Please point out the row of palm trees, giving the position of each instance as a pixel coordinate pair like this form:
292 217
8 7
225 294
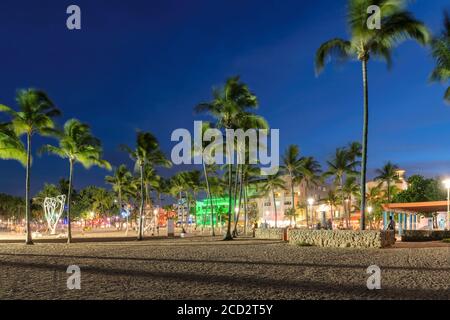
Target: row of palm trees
232 106
78 145
397 25
75 143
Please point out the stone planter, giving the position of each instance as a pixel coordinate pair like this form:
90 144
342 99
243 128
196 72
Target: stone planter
424 235
270 234
342 238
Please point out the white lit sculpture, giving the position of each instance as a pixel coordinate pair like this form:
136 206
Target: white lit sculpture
53 210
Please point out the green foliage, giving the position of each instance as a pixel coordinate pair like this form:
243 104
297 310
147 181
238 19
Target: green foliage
77 144
11 148
441 52
96 200
120 180
11 206
49 191
343 164
272 183
35 115
421 189
397 24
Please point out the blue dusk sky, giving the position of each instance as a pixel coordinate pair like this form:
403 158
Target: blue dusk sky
142 64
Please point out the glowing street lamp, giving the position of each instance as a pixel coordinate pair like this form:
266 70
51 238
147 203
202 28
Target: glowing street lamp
446 183
369 210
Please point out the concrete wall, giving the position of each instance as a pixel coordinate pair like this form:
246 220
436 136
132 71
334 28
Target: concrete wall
424 235
269 234
342 238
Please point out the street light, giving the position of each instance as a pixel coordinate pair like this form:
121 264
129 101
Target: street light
446 183
369 210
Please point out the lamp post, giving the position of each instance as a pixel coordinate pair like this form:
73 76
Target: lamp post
311 203
447 186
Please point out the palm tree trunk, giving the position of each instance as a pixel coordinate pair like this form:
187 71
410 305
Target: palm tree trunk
180 201
120 207
275 209
147 194
141 208
213 233
69 193
307 218
27 192
389 191
236 180
349 213
332 213
235 232
344 207
188 213
195 208
245 210
293 200
364 144
228 235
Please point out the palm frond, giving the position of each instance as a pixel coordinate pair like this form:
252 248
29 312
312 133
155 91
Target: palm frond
11 148
338 48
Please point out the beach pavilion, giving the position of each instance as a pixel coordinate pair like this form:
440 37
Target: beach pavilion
406 214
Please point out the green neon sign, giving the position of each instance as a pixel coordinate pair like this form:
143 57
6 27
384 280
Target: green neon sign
203 210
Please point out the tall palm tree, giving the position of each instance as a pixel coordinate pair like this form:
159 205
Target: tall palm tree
397 25
147 151
119 181
11 148
270 185
332 200
250 176
441 52
291 162
351 188
151 181
35 117
374 195
245 121
342 165
102 201
388 175
218 185
178 185
77 144
162 188
309 171
230 105
193 186
355 150
206 126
